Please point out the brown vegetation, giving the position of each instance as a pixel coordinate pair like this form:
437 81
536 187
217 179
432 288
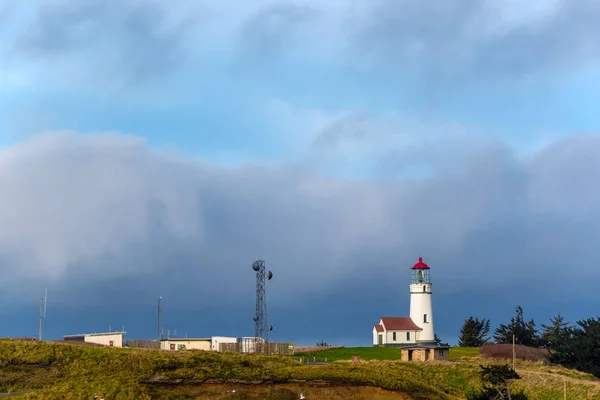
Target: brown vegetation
505 351
281 392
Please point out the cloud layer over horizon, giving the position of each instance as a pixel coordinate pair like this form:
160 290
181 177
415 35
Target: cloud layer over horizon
153 150
79 210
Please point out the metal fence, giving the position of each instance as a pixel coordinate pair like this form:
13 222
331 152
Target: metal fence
243 345
142 344
257 347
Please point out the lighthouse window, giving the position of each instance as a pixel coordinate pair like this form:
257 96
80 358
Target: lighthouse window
425 318
408 336
394 336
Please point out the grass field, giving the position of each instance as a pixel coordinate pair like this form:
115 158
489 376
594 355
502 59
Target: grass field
457 353
376 353
71 372
345 353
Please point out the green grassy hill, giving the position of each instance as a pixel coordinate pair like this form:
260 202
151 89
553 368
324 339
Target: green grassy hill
375 353
62 371
344 353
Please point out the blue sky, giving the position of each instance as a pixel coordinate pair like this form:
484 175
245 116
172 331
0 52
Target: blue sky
152 148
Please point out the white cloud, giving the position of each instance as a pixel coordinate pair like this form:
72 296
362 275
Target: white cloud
370 143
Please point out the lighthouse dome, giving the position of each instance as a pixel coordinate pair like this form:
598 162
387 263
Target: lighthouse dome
420 264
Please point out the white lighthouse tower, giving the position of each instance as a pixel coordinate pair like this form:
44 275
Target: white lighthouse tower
420 302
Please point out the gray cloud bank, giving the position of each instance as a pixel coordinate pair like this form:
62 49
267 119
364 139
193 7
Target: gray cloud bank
480 39
273 29
81 210
459 38
136 40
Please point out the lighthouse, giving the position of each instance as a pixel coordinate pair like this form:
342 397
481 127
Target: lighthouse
414 335
421 312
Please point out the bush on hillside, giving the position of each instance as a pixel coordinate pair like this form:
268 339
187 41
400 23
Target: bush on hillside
497 382
505 351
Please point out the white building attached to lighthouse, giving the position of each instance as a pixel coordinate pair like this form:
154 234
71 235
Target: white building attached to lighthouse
415 332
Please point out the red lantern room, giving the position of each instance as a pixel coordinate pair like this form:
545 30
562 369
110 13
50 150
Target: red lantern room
420 273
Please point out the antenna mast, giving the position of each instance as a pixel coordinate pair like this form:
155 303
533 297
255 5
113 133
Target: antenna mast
261 327
42 315
159 327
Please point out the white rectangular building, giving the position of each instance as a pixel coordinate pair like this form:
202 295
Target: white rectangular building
186 344
110 339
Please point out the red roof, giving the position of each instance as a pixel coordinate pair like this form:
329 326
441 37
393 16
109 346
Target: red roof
378 328
420 264
399 324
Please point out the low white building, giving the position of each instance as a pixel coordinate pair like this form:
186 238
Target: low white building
186 344
110 339
396 331
207 344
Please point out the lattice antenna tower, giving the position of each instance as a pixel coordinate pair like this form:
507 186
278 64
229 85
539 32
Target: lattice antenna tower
42 315
261 327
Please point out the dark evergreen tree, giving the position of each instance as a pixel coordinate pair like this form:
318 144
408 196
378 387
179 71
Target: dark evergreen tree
555 335
525 333
474 332
580 347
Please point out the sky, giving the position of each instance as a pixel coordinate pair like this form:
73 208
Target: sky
153 149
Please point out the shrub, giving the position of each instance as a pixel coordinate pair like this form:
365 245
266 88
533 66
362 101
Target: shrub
505 351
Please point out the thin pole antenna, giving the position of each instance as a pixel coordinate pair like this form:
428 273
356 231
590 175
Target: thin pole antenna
159 326
42 314
45 300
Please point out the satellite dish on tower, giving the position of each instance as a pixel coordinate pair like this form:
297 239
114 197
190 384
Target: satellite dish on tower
269 275
256 265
